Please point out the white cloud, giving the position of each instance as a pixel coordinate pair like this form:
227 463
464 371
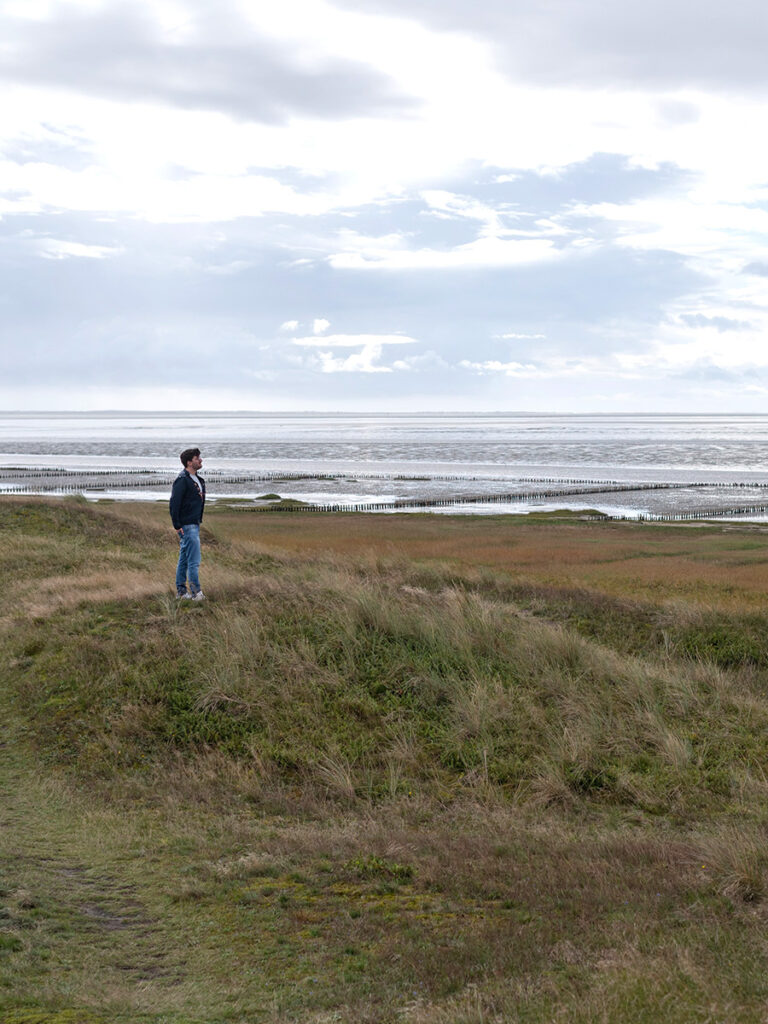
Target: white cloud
509 369
449 205
483 252
676 350
33 10
289 325
647 45
425 361
367 360
725 233
320 325
354 340
364 361
521 337
55 249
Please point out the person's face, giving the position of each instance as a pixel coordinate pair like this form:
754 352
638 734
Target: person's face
195 463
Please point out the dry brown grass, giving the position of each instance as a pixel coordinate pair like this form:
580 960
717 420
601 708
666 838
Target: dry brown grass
43 598
712 566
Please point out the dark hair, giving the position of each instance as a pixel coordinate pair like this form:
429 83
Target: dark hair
187 455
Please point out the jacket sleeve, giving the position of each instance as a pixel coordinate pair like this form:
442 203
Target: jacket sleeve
202 507
175 503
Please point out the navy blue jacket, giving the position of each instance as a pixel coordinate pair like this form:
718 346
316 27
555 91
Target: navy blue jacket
186 503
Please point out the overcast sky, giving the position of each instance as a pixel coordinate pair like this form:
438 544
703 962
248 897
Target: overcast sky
536 205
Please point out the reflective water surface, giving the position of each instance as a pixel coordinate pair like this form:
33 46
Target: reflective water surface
383 458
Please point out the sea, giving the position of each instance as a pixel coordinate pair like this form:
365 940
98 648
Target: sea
622 465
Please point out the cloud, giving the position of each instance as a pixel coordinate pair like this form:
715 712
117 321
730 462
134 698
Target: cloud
704 370
720 323
59 147
678 112
353 340
210 60
483 252
206 197
519 337
602 177
637 44
232 267
56 249
289 325
495 366
429 362
319 325
756 268
703 226
364 361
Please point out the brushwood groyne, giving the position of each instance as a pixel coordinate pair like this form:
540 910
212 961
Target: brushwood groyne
31 479
59 481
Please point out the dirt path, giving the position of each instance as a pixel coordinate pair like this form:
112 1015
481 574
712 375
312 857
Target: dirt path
76 931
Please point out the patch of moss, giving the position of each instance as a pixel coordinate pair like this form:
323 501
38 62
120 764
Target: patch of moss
377 867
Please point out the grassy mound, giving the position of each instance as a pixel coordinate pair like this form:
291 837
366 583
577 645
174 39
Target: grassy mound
368 683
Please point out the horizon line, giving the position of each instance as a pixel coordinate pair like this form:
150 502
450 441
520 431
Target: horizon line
361 412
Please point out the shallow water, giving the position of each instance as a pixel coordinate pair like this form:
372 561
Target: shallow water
387 458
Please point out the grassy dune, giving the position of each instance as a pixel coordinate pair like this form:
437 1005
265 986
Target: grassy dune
398 768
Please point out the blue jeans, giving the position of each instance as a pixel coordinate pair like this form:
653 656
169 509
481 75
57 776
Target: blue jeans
189 559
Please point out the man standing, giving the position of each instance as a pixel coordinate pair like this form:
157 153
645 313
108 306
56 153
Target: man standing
186 505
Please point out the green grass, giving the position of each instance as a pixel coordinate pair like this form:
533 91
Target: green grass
368 689
368 788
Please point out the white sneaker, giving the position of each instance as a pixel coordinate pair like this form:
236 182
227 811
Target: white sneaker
199 596
184 597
